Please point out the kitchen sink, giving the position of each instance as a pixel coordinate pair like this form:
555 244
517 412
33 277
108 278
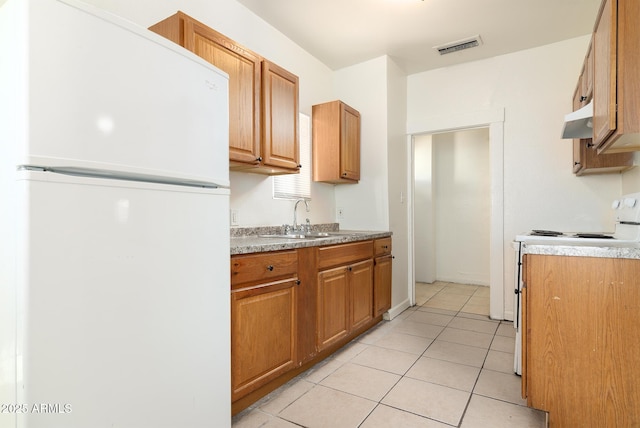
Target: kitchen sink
311 235
290 236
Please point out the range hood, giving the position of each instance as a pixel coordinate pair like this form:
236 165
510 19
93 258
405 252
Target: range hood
579 124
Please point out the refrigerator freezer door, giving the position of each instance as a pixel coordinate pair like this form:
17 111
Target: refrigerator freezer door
123 307
126 99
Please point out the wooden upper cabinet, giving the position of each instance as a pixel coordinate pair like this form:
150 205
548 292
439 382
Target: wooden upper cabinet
604 42
280 129
586 160
336 143
259 141
350 143
586 78
616 87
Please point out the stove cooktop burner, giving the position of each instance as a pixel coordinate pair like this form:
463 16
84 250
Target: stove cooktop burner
538 232
593 236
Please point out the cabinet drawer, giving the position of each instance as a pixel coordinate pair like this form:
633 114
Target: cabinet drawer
262 267
382 246
344 253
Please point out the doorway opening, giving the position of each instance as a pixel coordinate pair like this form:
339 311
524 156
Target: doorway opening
452 207
460 257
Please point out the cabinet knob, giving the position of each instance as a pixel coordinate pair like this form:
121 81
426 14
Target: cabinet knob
590 144
344 174
349 268
299 166
298 282
270 267
576 163
259 159
583 98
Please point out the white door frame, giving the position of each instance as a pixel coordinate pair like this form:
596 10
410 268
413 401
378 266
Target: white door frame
494 120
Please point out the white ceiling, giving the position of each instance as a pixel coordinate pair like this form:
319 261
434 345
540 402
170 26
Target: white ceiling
341 33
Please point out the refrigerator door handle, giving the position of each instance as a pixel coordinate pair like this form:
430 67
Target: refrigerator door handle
127 176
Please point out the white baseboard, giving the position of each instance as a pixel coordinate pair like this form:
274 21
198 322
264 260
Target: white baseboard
396 310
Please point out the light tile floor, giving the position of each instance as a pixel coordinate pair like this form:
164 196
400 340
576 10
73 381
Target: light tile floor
442 363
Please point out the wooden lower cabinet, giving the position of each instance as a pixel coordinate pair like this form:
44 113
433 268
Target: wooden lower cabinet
345 301
291 309
581 340
263 332
332 307
382 276
382 284
361 299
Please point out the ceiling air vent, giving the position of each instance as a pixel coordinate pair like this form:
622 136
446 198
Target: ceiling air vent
470 42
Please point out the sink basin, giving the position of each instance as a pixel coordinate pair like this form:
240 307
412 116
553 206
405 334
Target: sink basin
311 235
289 236
317 234
347 233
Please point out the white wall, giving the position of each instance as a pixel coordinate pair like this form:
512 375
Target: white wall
397 158
462 206
534 87
366 204
377 89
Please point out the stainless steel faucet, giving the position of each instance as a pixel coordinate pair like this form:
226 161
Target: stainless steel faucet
295 209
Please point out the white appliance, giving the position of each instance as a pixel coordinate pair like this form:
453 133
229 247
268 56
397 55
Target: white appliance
114 239
626 234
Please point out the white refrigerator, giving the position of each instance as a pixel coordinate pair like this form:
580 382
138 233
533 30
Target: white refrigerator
114 230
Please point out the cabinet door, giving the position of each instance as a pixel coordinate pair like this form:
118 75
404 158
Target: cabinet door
361 285
349 143
280 142
605 73
243 68
332 306
382 285
583 344
263 332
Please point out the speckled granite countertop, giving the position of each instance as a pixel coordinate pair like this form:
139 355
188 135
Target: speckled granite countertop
611 250
248 240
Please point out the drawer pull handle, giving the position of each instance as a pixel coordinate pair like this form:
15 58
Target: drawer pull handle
270 267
